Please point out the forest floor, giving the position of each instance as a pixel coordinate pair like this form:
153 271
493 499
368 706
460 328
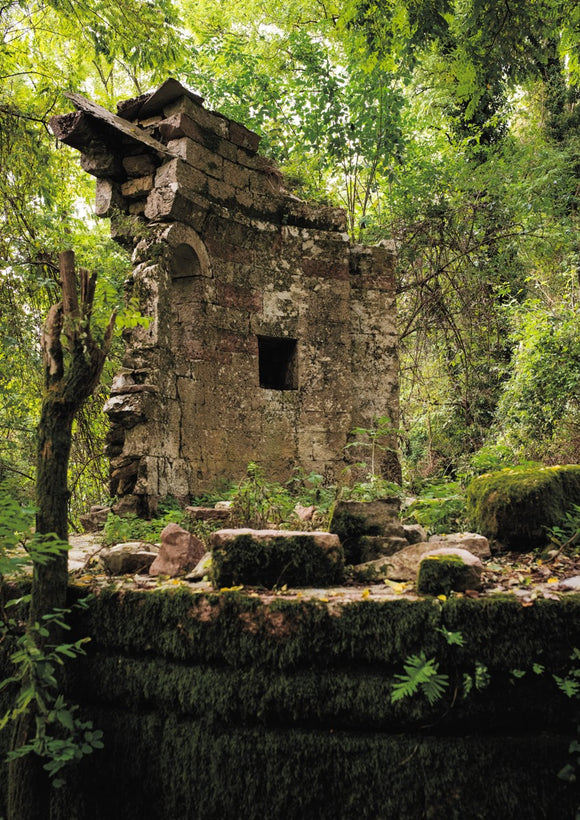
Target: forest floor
523 575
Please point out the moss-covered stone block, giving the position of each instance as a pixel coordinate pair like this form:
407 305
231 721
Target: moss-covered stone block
440 574
518 505
272 558
353 521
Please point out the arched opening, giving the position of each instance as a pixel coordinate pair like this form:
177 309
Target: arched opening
184 262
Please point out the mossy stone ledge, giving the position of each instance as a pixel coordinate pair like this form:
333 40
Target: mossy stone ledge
517 506
239 704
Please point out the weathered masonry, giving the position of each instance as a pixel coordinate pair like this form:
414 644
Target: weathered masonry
272 336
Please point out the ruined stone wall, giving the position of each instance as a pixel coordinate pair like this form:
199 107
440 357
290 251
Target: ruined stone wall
228 705
271 335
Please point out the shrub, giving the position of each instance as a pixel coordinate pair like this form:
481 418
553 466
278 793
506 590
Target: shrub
440 508
259 503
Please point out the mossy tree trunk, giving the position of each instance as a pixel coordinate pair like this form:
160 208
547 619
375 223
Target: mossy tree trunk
73 363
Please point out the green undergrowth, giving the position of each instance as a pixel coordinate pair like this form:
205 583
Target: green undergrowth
119 529
440 508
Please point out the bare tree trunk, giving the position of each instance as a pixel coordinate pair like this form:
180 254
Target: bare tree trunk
72 372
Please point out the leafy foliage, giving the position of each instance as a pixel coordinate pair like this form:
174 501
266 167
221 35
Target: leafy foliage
440 508
567 532
421 675
119 529
258 503
60 736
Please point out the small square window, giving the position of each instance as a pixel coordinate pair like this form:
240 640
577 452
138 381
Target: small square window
277 362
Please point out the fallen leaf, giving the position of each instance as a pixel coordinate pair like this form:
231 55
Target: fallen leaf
396 586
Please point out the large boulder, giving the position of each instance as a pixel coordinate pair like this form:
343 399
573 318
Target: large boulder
272 558
517 506
180 552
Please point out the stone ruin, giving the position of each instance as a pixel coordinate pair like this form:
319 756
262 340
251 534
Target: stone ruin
271 337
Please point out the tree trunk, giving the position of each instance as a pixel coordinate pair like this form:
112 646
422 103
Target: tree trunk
70 378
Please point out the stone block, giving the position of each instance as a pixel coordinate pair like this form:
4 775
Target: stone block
137 188
236 175
517 506
140 165
448 570
130 558
102 163
324 268
243 137
181 125
415 533
180 173
373 546
108 198
222 191
272 558
167 203
209 120
476 544
95 520
403 565
265 182
180 552
198 156
210 514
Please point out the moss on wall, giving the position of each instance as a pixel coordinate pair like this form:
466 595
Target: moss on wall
241 630
227 706
191 772
518 505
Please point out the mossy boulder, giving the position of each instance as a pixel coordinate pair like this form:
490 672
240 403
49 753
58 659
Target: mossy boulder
272 558
518 505
441 572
